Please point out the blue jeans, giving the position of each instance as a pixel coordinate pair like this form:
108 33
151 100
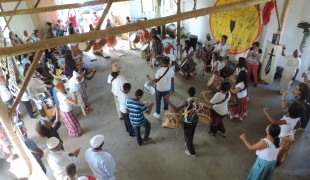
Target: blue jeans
147 126
28 107
159 96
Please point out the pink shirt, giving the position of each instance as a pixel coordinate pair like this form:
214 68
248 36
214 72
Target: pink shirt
73 19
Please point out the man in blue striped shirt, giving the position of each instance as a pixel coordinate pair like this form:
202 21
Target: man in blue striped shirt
136 110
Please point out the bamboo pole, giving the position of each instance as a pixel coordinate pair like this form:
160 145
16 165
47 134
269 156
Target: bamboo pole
54 8
59 41
17 144
25 84
278 18
104 14
283 18
178 27
10 18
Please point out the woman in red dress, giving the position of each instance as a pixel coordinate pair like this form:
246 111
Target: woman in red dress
97 46
111 40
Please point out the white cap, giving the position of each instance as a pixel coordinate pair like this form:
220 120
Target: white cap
52 142
96 141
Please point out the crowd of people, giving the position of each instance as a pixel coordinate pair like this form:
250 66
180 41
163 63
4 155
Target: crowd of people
271 150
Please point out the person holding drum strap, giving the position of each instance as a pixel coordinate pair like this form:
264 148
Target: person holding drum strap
111 40
240 90
132 45
253 59
219 109
163 85
190 119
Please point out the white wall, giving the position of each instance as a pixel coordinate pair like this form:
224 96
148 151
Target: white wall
21 22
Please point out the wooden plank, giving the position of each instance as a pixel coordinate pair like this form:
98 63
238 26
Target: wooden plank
59 41
10 18
5 1
54 8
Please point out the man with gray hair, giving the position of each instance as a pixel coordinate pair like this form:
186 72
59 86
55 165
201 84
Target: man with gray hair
100 161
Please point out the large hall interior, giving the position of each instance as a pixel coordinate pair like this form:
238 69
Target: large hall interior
154 89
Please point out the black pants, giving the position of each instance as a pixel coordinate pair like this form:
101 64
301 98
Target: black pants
189 132
128 125
217 122
147 126
28 107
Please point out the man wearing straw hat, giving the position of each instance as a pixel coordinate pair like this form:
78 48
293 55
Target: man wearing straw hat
101 162
117 81
58 159
291 70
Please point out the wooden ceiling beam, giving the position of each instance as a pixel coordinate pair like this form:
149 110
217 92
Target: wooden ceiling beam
59 41
54 8
37 3
6 1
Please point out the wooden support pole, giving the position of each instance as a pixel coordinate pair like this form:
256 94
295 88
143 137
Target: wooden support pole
10 18
6 21
25 84
283 18
14 139
37 4
178 24
278 18
59 41
104 14
54 8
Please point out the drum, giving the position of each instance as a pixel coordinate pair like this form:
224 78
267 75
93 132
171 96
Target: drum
204 114
171 30
149 88
173 121
232 79
214 83
82 46
227 68
188 65
134 38
145 46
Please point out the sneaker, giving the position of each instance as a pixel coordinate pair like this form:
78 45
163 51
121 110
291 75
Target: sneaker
241 118
189 154
157 116
223 135
211 134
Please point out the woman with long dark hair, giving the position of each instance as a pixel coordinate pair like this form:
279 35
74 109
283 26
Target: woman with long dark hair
266 150
188 51
240 110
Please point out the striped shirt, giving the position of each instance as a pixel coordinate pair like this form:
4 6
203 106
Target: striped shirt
136 109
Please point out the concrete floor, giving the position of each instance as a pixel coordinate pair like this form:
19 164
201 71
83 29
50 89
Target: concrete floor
217 157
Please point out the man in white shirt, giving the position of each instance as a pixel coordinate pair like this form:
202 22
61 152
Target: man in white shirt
123 97
27 38
162 79
223 48
5 94
209 43
26 60
100 161
290 71
58 159
169 53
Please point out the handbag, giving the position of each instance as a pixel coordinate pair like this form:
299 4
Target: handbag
150 87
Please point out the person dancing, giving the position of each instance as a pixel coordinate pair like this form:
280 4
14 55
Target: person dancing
266 151
240 111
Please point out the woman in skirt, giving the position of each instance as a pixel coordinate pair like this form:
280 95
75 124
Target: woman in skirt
266 150
240 110
68 117
111 40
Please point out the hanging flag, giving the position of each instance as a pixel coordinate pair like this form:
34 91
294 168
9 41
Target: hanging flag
267 11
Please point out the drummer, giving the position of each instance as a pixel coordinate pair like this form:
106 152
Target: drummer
132 45
208 46
215 63
188 51
223 48
157 52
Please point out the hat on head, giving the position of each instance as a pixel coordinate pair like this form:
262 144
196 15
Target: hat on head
52 142
208 34
116 67
96 141
298 52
